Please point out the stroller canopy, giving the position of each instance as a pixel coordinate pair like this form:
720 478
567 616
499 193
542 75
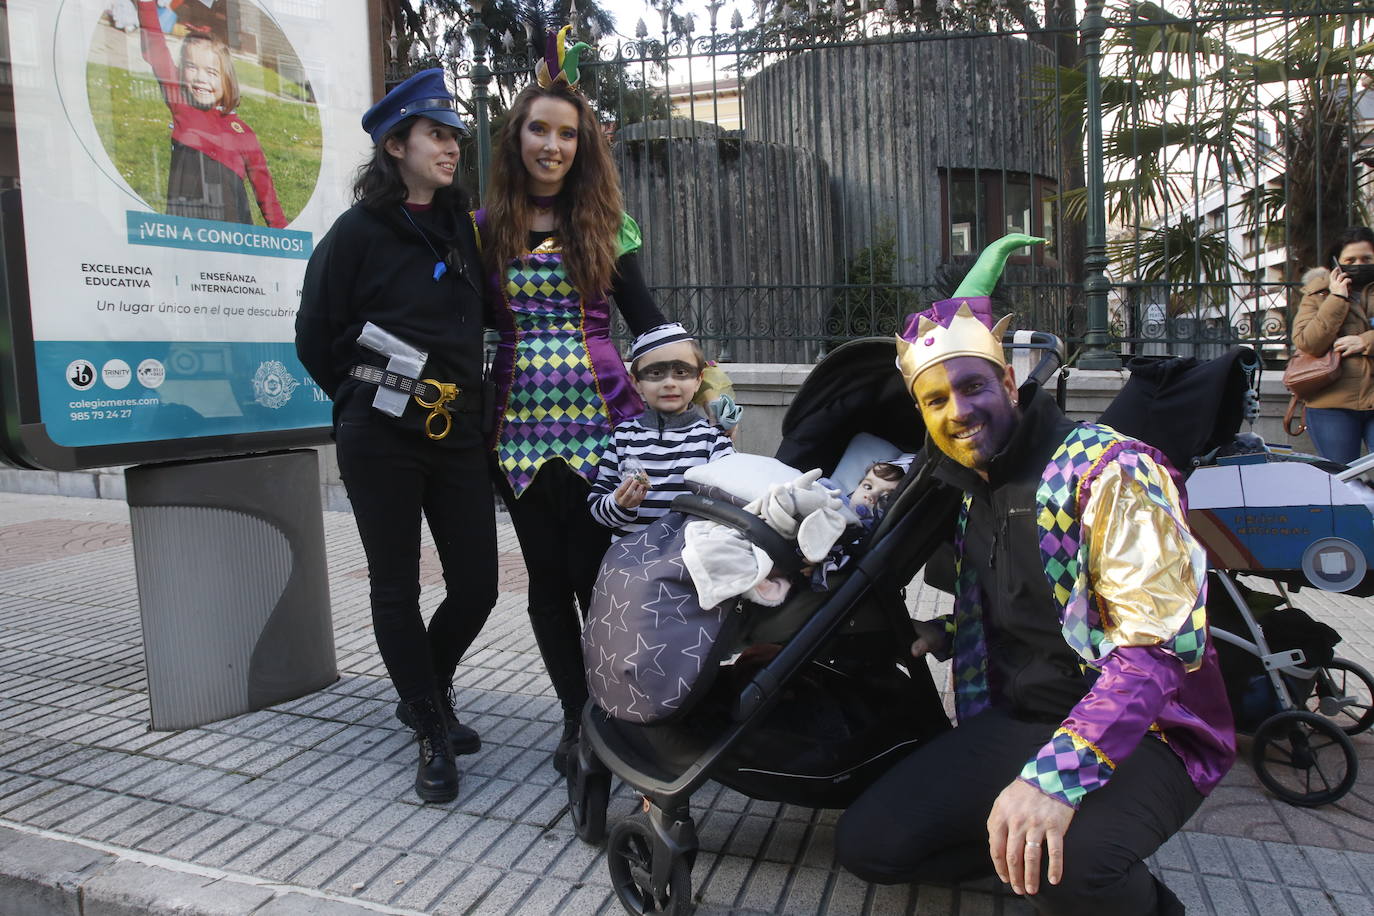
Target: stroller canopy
857 388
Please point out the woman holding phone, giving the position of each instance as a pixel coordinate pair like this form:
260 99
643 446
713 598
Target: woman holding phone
1335 313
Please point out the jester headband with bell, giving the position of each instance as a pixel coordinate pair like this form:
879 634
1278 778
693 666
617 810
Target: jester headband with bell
961 325
559 64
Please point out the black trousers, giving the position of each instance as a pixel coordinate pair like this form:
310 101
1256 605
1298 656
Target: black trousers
925 820
562 545
392 476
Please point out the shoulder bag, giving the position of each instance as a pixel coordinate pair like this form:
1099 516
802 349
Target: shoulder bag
1305 377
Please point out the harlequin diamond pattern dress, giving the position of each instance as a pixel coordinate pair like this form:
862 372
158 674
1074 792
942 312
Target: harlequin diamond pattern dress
562 385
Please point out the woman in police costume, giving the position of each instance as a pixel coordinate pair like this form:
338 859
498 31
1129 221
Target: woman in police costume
390 326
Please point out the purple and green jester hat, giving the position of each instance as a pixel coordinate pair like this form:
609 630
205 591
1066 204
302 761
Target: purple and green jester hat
961 325
560 62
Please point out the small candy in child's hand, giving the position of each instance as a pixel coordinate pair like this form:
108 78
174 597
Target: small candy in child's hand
633 467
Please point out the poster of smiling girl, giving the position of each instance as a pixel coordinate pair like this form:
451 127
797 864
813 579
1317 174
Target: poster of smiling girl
178 160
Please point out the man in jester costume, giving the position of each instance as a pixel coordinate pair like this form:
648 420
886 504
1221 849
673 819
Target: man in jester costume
1092 715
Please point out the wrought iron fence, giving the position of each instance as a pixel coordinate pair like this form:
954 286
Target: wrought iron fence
816 177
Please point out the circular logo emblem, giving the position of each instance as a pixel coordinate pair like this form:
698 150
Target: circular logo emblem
1334 564
151 373
116 374
272 384
185 362
81 374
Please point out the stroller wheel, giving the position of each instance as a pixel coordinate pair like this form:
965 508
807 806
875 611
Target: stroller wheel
1304 758
1344 693
589 795
630 855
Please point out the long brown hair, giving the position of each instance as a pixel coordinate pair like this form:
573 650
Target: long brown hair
588 211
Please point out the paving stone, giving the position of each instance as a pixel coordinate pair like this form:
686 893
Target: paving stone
1334 872
765 887
806 890
1311 902
1225 896
466 892
399 871
327 857
131 889
43 877
302 905
1249 858
932 901
1353 904
508 851
1293 867
508 895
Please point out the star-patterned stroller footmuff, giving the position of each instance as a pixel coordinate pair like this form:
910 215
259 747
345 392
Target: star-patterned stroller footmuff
649 644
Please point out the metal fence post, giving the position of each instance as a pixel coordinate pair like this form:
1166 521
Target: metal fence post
481 79
1095 354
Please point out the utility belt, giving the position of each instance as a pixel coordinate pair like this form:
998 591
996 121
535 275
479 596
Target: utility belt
441 399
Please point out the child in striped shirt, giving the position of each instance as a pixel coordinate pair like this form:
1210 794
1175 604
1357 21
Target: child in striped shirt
644 468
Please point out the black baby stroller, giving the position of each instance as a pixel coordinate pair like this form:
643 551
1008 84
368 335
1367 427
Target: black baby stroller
1291 520
823 695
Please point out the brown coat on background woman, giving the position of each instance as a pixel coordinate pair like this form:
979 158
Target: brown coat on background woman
1322 318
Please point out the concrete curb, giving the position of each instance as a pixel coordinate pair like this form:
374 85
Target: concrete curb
41 875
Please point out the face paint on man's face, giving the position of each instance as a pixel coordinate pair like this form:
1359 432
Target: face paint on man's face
966 403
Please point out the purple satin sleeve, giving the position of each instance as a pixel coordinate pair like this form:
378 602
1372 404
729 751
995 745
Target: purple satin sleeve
1144 685
614 381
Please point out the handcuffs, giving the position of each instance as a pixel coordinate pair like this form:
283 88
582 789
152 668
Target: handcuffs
438 408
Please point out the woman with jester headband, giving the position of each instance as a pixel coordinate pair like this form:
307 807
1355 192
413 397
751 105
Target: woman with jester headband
558 248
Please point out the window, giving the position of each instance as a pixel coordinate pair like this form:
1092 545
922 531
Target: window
981 206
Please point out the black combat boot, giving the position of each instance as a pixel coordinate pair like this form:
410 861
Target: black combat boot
436 777
461 738
567 745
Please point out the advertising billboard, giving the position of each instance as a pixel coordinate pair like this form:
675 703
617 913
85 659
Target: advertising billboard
173 164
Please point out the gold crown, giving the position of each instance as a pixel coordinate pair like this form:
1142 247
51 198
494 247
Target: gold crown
934 343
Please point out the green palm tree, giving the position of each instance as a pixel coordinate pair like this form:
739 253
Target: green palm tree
1185 100
1185 257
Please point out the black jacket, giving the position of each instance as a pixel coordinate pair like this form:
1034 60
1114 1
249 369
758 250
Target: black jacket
377 266
1031 670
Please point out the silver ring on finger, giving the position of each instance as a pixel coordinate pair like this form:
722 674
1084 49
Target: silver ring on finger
1032 844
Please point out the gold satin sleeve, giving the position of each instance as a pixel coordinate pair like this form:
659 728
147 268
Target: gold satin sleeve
1144 565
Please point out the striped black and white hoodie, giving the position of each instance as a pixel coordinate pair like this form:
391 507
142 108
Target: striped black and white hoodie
666 445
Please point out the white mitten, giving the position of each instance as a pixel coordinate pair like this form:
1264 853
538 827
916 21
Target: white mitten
787 504
818 532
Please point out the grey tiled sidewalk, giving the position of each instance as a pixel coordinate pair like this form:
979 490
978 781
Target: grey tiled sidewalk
308 808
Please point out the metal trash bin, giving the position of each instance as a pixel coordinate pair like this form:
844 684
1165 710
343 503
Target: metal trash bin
233 589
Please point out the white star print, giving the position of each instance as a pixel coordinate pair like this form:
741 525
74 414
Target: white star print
667 597
606 679
699 651
643 647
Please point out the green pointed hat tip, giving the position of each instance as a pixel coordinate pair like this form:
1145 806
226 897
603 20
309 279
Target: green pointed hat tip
985 273
571 60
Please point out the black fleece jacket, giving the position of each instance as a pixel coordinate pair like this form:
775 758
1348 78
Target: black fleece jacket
378 266
1032 672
